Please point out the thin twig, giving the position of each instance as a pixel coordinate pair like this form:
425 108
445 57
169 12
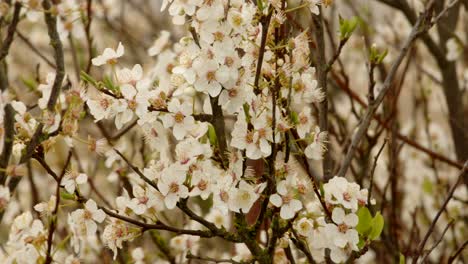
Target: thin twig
322 72
208 259
53 217
458 252
439 213
11 31
34 49
421 26
9 130
438 241
56 43
371 177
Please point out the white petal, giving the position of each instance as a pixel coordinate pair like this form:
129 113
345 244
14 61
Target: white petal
99 216
276 200
338 215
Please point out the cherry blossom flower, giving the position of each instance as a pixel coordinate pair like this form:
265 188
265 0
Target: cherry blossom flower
171 184
342 235
244 196
339 191
180 118
45 208
84 220
73 178
284 198
316 149
109 56
146 199
159 43
116 233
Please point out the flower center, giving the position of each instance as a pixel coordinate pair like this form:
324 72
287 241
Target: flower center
346 196
179 117
232 93
286 199
104 103
143 200
249 137
342 228
132 104
210 76
229 61
87 215
245 196
224 196
202 185
174 187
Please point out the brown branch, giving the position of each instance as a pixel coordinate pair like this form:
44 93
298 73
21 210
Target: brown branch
53 217
11 31
438 241
9 130
460 178
458 252
322 72
407 140
371 177
159 226
421 26
34 49
56 43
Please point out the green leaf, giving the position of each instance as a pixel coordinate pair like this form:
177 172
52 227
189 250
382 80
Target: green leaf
212 135
365 220
88 78
377 226
427 186
347 27
361 243
376 56
30 83
109 84
402 259
67 196
294 117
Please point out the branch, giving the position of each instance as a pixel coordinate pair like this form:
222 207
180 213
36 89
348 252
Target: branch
322 72
438 241
401 137
53 217
34 49
371 184
9 130
207 259
421 26
56 43
461 176
159 226
458 252
11 31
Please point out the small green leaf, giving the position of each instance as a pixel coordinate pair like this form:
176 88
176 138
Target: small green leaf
361 243
294 117
376 56
88 78
67 196
365 220
212 135
30 83
109 84
427 186
402 259
377 226
347 27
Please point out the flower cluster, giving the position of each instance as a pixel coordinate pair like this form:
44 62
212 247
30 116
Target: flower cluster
214 135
